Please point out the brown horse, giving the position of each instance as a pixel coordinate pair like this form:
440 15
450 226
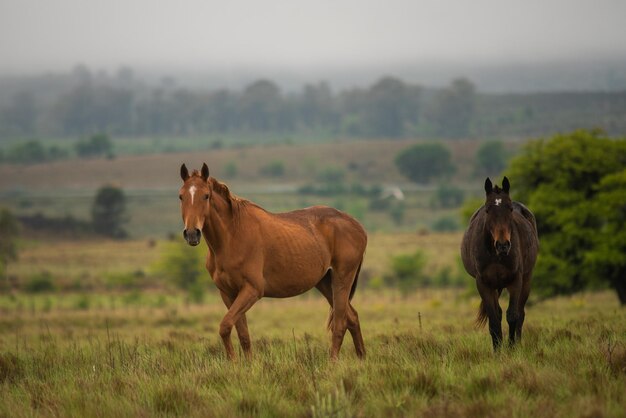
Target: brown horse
499 250
254 253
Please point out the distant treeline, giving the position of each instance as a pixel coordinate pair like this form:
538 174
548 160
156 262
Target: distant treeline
82 103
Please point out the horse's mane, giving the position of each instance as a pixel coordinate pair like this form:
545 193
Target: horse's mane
235 203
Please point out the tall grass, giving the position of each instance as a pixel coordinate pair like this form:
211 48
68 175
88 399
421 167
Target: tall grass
424 359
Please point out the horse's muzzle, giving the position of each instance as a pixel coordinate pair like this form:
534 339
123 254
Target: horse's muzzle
503 247
192 236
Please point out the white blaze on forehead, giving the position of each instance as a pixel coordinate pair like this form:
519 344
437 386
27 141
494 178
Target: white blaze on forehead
192 191
498 201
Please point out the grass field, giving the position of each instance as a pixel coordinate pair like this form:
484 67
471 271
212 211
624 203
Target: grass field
153 353
159 356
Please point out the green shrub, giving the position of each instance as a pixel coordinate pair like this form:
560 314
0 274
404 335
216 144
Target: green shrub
184 266
40 283
445 224
230 170
407 272
331 175
448 197
273 169
82 303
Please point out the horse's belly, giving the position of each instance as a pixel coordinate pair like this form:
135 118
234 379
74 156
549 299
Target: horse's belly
294 266
291 282
497 276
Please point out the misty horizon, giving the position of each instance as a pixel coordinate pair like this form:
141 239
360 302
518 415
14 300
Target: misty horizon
427 42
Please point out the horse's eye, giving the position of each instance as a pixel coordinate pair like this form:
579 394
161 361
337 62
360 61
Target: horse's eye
180 197
206 197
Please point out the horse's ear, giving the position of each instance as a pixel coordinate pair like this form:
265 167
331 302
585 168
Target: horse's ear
205 172
488 186
506 185
184 173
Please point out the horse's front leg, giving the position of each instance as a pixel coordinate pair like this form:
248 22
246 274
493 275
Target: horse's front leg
491 306
246 297
512 312
241 326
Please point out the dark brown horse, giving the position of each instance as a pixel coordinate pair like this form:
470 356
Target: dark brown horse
253 253
499 250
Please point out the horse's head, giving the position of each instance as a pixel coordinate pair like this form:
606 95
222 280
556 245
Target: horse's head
499 208
194 198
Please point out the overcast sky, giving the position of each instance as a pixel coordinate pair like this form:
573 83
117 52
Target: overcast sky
37 35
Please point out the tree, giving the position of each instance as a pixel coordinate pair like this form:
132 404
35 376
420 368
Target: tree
452 109
108 212
388 107
9 231
420 163
490 158
97 145
607 256
261 107
574 183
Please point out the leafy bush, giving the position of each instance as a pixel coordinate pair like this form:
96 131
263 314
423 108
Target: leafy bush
445 224
32 152
97 145
183 266
576 186
126 280
448 196
331 175
273 169
230 170
396 211
407 272
39 283
108 212
490 158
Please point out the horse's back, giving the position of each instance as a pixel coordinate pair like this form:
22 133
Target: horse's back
526 213
328 219
328 226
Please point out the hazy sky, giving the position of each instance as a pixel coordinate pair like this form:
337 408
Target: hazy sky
37 35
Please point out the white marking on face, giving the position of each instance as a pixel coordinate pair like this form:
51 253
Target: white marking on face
192 191
498 201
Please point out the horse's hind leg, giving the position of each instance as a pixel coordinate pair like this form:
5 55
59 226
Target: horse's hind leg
341 284
325 288
354 326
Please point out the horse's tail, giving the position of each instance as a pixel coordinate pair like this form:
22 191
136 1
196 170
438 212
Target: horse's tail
329 321
481 318
356 279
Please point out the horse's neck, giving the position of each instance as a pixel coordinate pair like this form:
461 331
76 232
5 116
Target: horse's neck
218 225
